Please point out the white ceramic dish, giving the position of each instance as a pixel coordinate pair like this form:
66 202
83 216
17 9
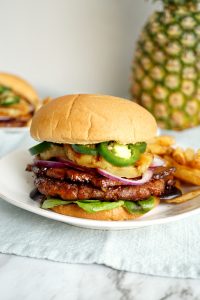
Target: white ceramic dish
16 184
12 130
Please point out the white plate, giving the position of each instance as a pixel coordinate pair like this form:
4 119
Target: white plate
11 138
12 130
16 184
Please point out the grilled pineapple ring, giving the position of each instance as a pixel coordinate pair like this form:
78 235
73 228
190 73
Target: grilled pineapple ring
22 108
99 162
91 161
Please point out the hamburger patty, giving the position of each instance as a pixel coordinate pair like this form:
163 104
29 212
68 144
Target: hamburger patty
76 176
13 123
73 191
90 176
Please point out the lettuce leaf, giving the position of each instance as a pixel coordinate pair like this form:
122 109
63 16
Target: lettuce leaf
132 207
140 207
49 203
92 207
148 204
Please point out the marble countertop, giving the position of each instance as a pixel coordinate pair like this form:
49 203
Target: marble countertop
29 279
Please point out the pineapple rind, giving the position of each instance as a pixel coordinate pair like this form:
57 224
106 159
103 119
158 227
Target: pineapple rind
166 68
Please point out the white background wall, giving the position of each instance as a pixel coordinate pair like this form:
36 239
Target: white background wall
70 46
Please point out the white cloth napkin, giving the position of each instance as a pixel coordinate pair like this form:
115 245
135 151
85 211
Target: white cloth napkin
165 250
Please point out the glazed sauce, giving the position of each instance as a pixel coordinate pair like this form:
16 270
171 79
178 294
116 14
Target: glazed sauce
171 193
36 195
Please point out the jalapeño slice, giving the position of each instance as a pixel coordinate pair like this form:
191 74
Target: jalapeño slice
4 89
142 146
10 100
85 149
39 148
119 155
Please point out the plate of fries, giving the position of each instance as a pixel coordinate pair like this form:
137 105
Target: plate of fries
186 162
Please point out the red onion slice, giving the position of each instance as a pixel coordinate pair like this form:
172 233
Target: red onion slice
71 164
5 118
50 164
145 177
60 163
157 162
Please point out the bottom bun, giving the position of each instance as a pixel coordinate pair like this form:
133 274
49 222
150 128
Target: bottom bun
116 214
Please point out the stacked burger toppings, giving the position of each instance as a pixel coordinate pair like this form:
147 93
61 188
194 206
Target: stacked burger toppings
18 101
86 165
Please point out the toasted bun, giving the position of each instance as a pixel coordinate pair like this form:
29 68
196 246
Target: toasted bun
117 214
20 86
89 119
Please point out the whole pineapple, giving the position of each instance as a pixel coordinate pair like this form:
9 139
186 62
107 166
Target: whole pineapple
166 67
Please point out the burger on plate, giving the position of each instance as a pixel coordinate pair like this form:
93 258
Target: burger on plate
92 160
18 101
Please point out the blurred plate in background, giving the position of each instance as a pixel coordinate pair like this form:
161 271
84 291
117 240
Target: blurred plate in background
12 138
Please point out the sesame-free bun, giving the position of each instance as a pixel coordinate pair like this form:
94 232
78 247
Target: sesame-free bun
20 87
89 119
116 214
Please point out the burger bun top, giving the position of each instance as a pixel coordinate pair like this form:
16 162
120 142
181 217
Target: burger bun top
20 87
90 119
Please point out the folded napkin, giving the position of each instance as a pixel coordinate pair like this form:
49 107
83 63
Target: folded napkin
164 250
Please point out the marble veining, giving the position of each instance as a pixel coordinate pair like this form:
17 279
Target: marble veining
118 279
29 279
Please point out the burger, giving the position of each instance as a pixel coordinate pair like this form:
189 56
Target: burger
93 161
18 101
